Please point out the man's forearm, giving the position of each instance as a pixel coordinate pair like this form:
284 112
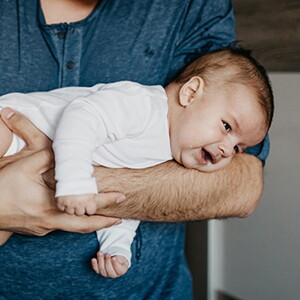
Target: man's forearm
170 192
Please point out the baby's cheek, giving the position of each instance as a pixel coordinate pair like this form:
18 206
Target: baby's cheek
220 165
224 162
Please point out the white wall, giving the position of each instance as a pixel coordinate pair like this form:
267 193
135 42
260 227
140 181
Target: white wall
258 258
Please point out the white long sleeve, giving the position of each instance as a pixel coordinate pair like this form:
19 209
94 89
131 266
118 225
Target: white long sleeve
76 137
119 125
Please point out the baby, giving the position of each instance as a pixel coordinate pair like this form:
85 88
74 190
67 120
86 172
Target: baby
217 106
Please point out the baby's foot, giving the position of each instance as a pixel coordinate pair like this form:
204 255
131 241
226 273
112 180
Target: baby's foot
110 266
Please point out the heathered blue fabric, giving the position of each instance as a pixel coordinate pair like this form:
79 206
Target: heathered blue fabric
146 41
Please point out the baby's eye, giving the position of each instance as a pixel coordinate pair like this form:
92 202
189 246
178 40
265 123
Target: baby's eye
227 126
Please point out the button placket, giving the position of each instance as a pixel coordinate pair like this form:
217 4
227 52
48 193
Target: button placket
72 50
56 37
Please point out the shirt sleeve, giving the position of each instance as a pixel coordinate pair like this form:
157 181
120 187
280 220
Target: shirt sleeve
207 26
73 145
261 150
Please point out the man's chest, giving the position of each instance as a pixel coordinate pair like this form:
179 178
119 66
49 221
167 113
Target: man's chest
113 44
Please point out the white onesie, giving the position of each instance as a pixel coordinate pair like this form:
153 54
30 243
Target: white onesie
116 125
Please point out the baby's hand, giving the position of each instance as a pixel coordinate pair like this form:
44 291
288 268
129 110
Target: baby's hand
77 204
108 266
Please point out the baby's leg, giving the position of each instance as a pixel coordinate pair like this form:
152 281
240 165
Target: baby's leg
114 256
4 236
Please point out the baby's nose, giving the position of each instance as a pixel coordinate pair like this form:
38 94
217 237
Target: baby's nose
227 149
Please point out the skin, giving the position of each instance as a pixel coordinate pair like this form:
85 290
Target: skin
6 138
109 266
60 11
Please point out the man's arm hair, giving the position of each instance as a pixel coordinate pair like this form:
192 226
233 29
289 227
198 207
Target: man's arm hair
171 193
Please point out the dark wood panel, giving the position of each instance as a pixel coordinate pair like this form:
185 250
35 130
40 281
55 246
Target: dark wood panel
272 29
197 256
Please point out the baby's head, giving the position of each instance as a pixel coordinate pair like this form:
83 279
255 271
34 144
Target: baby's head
224 104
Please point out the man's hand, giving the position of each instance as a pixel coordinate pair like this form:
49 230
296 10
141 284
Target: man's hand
27 205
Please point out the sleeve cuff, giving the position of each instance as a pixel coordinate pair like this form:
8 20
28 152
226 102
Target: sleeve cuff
262 150
86 186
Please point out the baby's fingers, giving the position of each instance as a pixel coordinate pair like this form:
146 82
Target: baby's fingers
111 272
119 268
91 208
101 264
79 211
95 266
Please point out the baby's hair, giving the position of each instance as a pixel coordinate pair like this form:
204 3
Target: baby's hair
233 65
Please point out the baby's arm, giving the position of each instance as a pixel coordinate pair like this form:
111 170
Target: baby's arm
114 256
101 119
79 132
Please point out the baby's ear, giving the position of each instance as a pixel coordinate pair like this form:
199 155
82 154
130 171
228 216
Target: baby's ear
191 90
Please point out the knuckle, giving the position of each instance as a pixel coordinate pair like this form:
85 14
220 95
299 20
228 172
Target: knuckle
45 226
41 233
87 229
4 162
48 153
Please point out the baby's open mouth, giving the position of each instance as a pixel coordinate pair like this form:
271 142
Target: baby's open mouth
206 158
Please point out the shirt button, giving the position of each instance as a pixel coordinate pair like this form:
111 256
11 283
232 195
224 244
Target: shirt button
70 65
61 35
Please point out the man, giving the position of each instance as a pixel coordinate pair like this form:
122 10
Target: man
65 43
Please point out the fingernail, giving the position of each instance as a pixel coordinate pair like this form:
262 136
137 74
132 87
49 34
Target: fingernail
8 113
121 199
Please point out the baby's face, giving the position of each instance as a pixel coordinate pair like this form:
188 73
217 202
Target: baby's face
217 125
